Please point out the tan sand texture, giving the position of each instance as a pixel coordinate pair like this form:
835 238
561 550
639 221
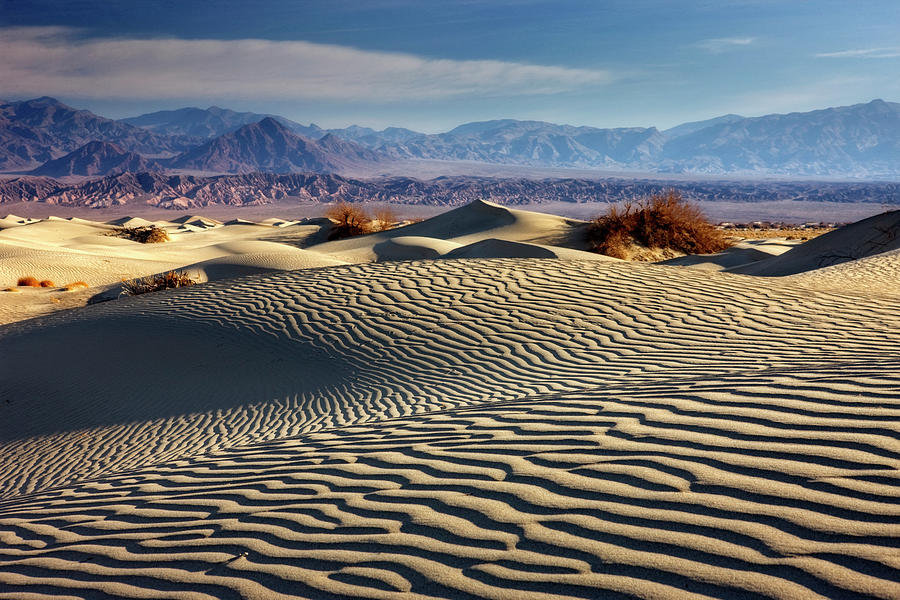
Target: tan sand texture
571 427
536 427
70 250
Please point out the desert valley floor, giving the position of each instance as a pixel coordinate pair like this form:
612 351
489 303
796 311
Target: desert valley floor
467 407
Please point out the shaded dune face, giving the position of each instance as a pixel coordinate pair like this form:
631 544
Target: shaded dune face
458 428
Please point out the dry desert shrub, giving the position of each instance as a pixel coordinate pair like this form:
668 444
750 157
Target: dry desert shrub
146 234
384 218
76 285
12 289
28 282
663 221
350 220
47 283
155 283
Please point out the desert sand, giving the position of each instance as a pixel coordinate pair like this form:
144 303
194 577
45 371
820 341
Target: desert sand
467 407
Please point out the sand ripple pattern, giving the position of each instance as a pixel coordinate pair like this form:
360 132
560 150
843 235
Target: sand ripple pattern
300 351
458 429
775 485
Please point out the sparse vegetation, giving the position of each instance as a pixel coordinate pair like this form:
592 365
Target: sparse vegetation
47 283
28 282
384 218
155 283
76 285
351 220
663 222
146 234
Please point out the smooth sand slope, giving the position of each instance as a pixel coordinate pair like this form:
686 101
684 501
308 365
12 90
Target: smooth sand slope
875 235
475 222
471 428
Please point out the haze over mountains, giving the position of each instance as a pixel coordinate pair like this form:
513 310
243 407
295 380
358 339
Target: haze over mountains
859 141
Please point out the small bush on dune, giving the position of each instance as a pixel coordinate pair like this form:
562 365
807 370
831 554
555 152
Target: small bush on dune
28 282
350 220
47 283
155 283
662 221
76 285
146 234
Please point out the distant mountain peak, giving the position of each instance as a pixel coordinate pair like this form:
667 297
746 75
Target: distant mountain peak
269 146
271 124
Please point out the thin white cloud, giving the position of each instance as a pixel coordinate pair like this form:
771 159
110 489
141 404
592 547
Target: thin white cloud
719 45
53 61
890 52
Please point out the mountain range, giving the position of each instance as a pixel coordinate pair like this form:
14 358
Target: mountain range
255 189
269 146
860 141
97 158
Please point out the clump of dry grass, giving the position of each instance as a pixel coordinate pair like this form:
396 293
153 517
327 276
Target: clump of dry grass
12 289
28 282
661 222
155 283
76 285
145 234
47 283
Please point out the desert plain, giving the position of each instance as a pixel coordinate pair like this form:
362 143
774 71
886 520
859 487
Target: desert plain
471 406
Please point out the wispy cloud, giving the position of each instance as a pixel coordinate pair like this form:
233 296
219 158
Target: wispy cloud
53 61
719 45
889 52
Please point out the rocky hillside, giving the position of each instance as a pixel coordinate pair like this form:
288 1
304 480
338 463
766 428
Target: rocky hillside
35 131
96 158
207 123
185 191
269 146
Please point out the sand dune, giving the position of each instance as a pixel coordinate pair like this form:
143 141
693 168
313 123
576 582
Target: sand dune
877 274
572 426
868 237
70 250
463 427
474 222
744 253
497 248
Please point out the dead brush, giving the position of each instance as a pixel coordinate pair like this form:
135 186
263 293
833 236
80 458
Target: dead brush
155 283
350 220
145 234
75 285
28 282
384 218
662 221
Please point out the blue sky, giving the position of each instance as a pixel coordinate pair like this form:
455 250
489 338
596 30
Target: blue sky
431 65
